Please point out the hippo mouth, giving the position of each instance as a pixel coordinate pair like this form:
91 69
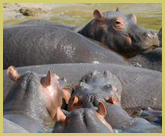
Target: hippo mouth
150 48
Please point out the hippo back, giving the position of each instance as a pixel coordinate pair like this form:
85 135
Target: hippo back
37 45
141 87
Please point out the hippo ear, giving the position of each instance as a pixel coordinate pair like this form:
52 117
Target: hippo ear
66 94
117 9
75 100
60 116
13 74
74 103
46 81
97 15
112 100
101 109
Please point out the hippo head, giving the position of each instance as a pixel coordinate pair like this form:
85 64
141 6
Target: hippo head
94 87
84 120
36 93
120 33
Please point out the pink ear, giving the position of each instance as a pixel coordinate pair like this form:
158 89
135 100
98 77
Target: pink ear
66 95
97 15
112 100
101 109
12 73
60 116
46 81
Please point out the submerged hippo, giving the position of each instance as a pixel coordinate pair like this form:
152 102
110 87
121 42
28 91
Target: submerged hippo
33 101
83 120
117 31
141 88
36 45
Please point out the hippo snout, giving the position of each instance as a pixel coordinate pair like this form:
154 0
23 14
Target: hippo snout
151 41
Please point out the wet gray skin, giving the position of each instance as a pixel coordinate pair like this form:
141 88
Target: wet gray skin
29 103
11 127
153 116
151 60
114 29
160 36
119 119
37 45
82 121
95 86
121 33
138 85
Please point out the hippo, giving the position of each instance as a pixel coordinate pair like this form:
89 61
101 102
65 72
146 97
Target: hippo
83 120
116 30
33 101
119 119
120 33
37 45
138 85
153 116
116 116
160 36
95 87
151 60
11 127
43 22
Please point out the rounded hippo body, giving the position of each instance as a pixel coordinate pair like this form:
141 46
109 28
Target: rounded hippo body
151 60
36 45
153 116
43 22
11 127
141 87
119 119
116 30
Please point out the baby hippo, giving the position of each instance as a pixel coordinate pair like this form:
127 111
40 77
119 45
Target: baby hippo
94 87
33 101
83 120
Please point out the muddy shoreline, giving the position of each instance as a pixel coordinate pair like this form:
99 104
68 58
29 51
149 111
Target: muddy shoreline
36 10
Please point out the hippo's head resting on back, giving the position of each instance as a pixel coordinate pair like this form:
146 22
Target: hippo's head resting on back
94 87
120 33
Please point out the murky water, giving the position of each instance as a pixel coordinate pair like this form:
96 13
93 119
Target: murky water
148 15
